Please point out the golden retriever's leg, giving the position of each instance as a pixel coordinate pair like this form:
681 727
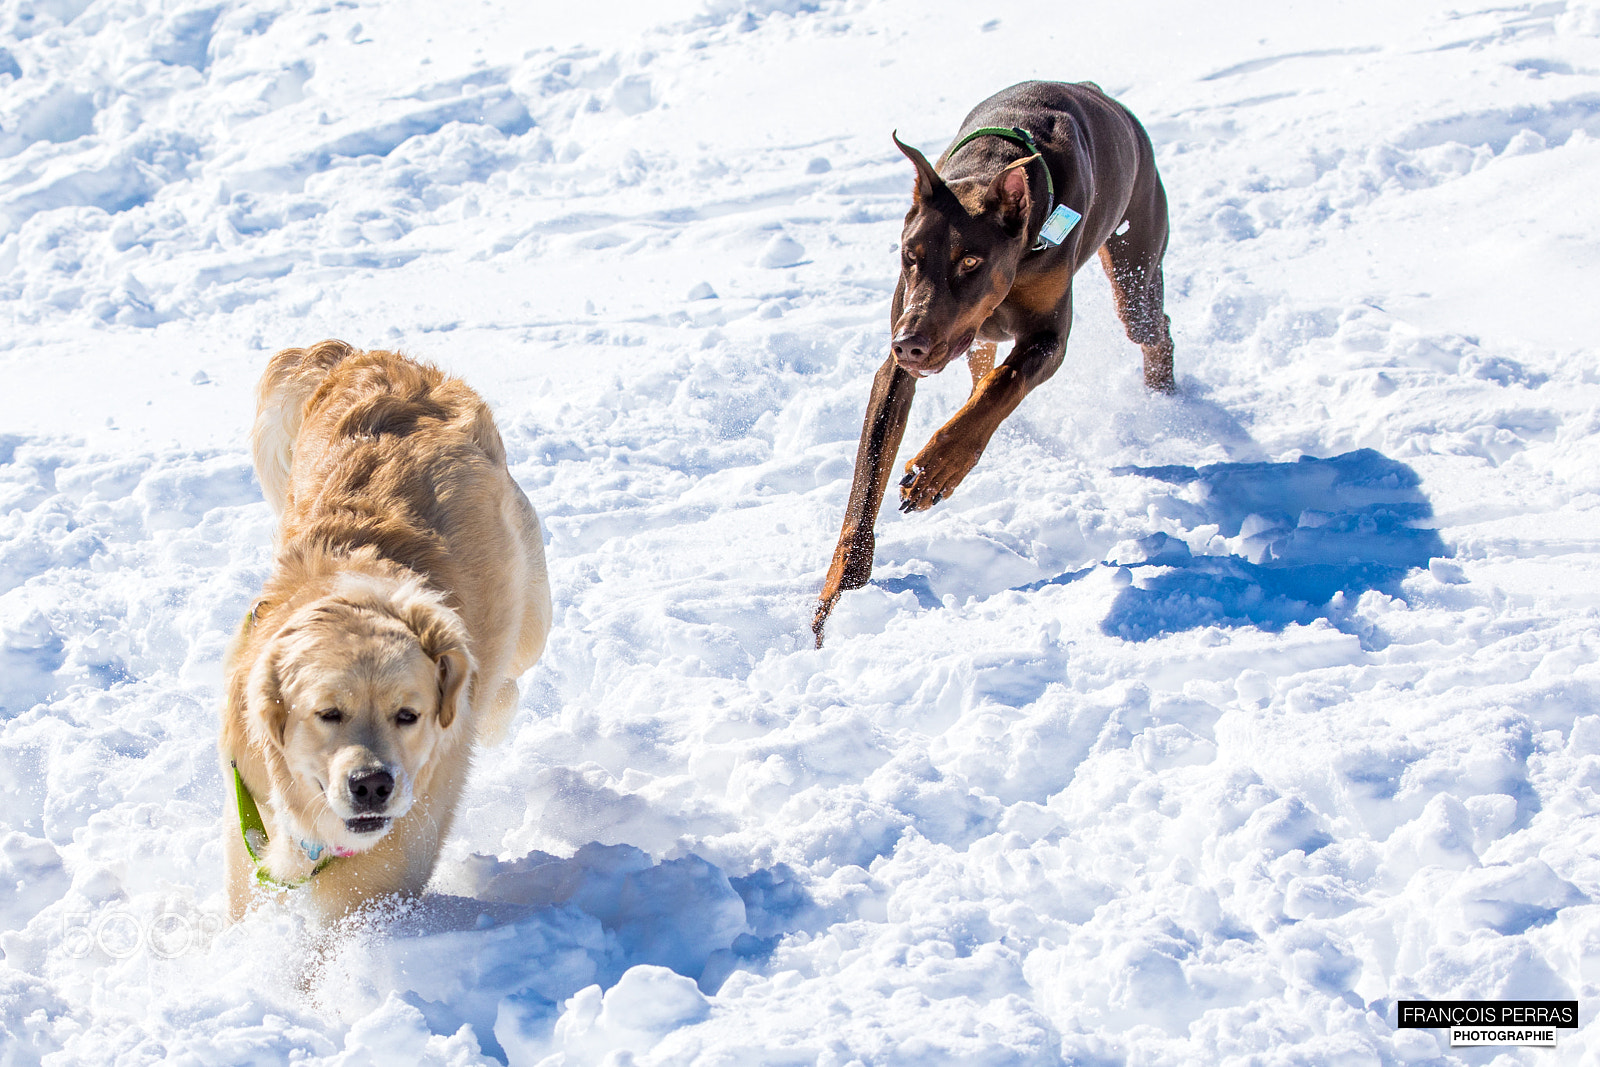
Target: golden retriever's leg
236 870
312 968
502 706
538 613
980 361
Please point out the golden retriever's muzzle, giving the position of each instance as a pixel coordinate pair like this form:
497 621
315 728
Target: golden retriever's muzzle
366 792
369 791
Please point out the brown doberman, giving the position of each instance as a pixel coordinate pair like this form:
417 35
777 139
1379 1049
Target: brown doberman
984 259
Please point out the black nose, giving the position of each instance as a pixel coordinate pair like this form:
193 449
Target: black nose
912 346
369 790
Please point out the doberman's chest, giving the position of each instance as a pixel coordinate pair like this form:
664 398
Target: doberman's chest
1033 302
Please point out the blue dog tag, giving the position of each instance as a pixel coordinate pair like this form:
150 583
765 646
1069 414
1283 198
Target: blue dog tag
1058 225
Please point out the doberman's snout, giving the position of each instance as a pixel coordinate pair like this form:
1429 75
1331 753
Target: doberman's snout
912 349
370 789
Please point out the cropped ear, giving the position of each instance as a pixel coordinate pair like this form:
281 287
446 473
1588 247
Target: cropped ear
928 180
266 713
444 640
1008 194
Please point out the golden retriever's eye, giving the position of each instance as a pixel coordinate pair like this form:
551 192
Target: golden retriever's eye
405 716
331 715
969 264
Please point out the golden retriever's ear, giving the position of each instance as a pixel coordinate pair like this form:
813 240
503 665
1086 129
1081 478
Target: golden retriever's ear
265 711
443 640
452 684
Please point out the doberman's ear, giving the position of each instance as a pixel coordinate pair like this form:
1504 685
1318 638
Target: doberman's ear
1008 194
928 180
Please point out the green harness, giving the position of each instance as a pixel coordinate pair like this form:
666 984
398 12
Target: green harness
253 829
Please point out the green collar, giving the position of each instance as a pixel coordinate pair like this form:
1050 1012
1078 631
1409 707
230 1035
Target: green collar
1025 139
253 829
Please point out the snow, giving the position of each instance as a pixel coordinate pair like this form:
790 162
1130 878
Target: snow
1191 729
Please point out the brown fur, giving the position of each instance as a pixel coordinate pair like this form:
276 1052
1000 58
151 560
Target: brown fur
408 594
970 277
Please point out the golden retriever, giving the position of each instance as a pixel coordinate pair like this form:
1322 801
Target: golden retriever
408 594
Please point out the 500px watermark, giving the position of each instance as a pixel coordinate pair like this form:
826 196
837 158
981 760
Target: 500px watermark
176 929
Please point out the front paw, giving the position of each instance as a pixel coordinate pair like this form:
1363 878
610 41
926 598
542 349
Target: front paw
934 475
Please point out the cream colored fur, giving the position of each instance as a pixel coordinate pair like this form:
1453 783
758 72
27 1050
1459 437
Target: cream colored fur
408 594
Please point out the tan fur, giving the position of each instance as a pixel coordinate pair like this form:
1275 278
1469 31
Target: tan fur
980 361
409 581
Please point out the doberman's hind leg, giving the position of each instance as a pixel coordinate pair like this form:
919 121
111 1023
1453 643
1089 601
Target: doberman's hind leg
1138 291
980 361
1132 261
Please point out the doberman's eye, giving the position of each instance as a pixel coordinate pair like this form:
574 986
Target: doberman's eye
331 715
405 717
969 264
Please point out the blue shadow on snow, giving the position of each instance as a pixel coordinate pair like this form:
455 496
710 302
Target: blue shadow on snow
1307 530
538 928
917 584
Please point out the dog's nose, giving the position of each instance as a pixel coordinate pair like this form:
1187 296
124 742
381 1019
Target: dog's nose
912 347
370 790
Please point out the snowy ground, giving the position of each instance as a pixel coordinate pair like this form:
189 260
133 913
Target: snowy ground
1326 737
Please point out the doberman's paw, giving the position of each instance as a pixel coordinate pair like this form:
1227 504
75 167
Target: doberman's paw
934 475
820 619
